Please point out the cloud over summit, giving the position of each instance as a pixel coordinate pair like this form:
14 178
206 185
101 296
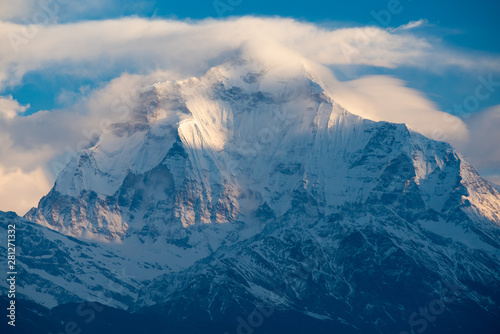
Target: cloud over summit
137 52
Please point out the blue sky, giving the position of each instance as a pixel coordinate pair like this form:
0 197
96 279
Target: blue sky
422 58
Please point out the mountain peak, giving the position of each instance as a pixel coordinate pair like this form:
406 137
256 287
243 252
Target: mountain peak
236 176
249 134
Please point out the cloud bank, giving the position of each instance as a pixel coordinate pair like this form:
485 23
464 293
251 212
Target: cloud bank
89 48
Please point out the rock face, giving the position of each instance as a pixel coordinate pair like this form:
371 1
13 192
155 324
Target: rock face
251 187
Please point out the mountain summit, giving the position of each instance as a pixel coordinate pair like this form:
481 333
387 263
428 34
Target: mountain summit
251 186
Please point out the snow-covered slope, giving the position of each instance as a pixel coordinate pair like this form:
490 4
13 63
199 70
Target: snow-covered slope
245 175
54 269
215 149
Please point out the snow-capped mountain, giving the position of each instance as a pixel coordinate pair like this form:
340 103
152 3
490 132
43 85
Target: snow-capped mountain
250 185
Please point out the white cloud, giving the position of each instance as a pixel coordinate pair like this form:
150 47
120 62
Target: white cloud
10 108
411 25
20 191
383 98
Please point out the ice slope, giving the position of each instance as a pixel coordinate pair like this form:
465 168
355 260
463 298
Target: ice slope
55 269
